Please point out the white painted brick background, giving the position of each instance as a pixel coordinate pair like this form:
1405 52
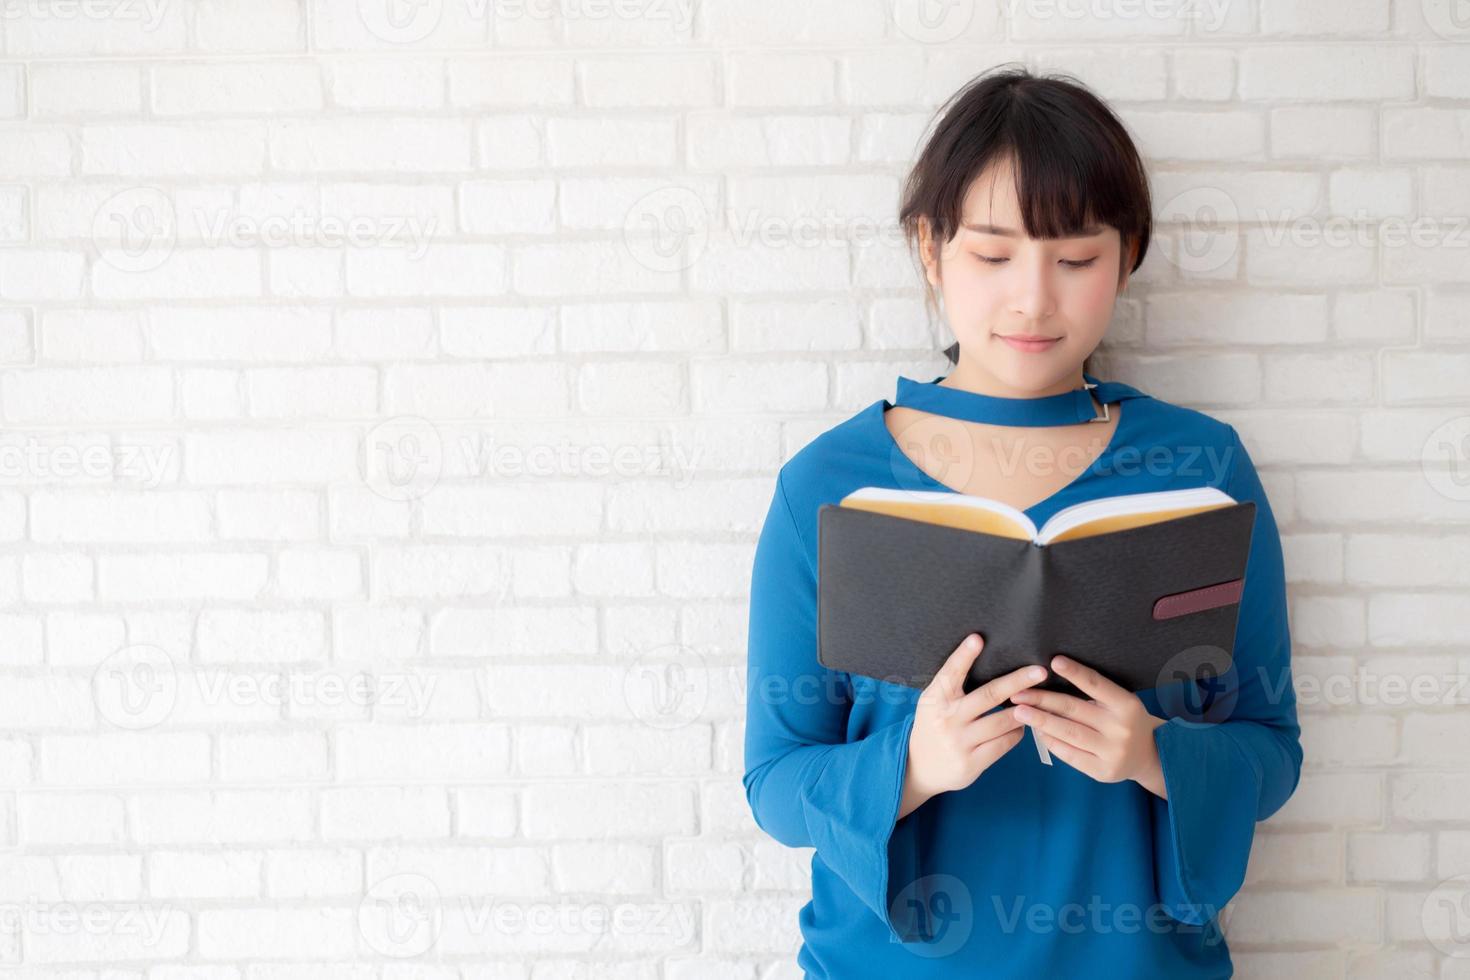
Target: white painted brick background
376 512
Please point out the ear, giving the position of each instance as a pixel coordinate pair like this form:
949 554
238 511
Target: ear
929 252
1127 270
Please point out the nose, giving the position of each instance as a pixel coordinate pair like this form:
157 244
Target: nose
1034 296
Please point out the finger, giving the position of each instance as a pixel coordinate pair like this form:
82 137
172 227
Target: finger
1088 680
949 681
998 689
984 755
990 726
1089 713
1082 736
1080 759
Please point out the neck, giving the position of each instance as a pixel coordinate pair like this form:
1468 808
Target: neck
969 377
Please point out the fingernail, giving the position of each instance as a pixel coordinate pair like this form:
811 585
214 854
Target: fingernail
1060 662
1036 673
972 641
1024 713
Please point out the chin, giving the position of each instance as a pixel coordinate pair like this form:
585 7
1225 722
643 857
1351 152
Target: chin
1032 372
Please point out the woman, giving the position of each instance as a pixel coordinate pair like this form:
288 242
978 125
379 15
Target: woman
939 852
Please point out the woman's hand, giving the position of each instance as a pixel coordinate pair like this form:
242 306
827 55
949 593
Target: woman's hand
1110 737
950 745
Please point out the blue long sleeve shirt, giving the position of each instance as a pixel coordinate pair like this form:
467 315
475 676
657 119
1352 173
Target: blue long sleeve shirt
1032 870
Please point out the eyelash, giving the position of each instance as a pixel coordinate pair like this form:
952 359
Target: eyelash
1083 264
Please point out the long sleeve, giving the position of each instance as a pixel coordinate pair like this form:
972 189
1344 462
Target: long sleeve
808 786
1239 759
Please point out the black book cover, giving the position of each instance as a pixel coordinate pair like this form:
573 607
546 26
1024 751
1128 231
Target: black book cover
897 595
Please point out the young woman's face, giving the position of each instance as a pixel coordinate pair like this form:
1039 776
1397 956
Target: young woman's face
997 282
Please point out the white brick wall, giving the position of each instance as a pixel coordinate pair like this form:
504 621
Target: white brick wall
367 459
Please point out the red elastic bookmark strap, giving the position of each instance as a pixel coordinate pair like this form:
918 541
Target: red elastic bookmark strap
1198 600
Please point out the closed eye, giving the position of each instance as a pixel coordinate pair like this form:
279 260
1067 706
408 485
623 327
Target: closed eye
1069 263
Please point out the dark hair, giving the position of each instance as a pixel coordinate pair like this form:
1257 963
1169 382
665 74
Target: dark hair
1075 164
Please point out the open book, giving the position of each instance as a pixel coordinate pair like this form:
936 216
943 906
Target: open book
1145 588
1077 521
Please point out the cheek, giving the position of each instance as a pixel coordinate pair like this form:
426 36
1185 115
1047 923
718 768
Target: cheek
1093 291
973 287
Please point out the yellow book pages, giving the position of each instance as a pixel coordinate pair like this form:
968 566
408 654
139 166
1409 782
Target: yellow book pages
965 518
1122 522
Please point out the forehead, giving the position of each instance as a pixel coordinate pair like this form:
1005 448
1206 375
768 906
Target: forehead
991 203
991 197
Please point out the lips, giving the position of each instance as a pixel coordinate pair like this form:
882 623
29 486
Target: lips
1030 343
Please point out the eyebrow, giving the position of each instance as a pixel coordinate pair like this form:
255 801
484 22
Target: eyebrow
1087 232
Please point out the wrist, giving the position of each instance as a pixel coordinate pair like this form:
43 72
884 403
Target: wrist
912 796
1154 783
1151 776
